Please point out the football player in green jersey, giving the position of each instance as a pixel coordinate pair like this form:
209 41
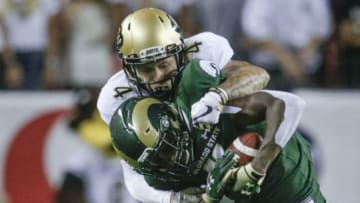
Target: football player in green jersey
156 140
154 55
282 164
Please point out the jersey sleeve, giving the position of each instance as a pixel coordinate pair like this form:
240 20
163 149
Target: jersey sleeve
212 47
139 189
197 78
114 92
254 21
294 109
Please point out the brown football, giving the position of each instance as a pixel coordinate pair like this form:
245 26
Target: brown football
246 146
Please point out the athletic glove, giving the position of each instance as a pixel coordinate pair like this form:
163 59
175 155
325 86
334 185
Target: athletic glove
208 109
218 177
188 195
245 180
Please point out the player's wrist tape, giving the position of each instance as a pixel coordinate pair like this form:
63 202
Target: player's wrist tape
223 94
252 173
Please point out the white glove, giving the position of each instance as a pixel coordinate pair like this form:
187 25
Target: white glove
208 109
246 180
188 195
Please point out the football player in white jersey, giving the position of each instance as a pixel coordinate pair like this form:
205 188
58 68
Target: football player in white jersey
154 54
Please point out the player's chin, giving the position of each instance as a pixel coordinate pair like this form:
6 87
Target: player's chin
162 92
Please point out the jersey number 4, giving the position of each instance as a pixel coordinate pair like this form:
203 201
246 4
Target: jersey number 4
121 91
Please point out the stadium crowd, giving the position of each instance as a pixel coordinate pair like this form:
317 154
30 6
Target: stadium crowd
51 44
70 44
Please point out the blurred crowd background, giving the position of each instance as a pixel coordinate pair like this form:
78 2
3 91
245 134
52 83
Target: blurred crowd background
62 44
69 45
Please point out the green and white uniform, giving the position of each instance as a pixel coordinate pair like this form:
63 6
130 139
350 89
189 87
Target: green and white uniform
117 90
290 178
190 91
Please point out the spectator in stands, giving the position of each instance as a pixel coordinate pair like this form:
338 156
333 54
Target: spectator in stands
218 17
179 9
10 73
285 38
87 43
347 21
117 11
27 26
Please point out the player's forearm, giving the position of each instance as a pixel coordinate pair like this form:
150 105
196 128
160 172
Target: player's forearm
279 130
243 79
269 149
294 109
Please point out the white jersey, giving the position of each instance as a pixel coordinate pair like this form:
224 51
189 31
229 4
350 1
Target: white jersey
117 90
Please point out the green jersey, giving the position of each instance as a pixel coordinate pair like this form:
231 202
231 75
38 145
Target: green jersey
189 91
291 176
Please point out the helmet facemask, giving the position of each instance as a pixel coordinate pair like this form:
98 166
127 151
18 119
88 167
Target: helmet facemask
162 92
173 153
147 36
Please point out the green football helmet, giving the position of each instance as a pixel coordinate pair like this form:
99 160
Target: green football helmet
149 136
146 36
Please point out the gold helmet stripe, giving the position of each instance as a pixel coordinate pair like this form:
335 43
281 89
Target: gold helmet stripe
142 126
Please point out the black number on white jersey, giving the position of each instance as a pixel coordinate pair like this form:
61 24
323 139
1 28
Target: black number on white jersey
121 91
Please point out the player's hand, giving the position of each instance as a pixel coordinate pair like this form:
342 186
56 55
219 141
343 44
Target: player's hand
188 195
245 180
218 178
208 109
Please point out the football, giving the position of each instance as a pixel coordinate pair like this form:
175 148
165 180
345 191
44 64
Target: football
246 146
